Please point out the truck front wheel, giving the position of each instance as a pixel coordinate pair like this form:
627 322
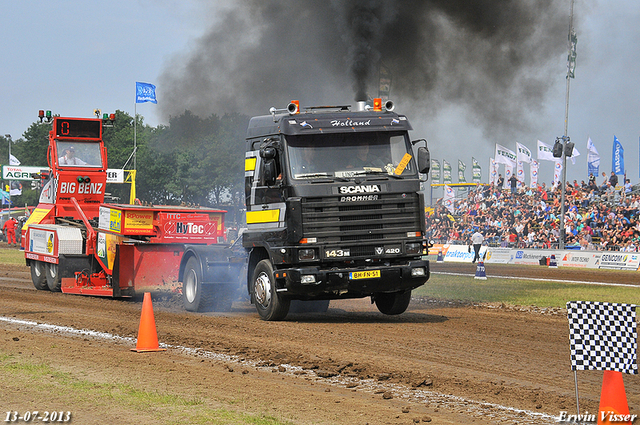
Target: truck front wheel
271 306
53 278
38 276
393 303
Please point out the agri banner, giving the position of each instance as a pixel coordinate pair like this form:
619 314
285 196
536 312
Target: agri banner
520 174
449 198
508 172
476 170
593 159
493 170
574 154
435 171
461 167
557 173
19 172
545 152
523 153
533 169
505 156
145 92
617 157
446 172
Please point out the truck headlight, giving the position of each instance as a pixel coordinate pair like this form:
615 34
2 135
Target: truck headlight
306 254
413 247
307 279
417 272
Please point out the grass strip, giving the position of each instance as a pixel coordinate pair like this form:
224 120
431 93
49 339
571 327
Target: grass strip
17 374
523 292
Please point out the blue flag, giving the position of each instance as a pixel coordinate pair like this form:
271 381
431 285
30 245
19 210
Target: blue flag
617 157
4 196
145 92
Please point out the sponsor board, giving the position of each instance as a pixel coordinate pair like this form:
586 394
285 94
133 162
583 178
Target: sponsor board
565 258
618 260
110 219
41 241
138 222
498 255
437 247
461 254
190 226
531 256
20 172
115 175
578 259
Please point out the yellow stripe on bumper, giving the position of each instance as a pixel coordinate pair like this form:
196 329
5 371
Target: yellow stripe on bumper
250 164
266 216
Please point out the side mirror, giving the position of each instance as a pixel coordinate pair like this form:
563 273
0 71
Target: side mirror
268 152
424 160
269 172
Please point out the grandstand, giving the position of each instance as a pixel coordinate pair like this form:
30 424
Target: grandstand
601 218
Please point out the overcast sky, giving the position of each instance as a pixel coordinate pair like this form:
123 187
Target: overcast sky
71 57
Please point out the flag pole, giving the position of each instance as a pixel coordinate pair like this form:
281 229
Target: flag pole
135 132
575 377
9 191
565 138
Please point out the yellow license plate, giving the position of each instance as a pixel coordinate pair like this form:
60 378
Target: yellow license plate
368 274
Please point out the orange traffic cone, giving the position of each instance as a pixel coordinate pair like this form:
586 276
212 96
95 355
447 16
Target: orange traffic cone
147 334
613 400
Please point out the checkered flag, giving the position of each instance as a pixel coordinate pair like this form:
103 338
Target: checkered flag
602 336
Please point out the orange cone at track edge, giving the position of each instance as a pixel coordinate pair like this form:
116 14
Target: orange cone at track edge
613 401
147 334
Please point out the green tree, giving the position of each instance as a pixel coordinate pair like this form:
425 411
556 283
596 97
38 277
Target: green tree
194 160
31 150
119 141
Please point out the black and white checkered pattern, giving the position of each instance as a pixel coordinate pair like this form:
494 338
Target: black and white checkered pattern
603 336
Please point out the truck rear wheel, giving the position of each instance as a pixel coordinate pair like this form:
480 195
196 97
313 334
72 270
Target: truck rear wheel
195 295
38 276
53 277
271 306
392 303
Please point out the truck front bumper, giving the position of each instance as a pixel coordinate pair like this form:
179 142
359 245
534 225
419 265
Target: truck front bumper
314 282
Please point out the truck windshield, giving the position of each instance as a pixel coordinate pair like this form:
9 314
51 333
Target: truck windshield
78 154
350 154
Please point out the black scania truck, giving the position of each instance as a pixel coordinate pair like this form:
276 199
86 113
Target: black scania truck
334 208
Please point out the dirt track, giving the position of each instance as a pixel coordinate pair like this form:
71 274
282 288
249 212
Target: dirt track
449 364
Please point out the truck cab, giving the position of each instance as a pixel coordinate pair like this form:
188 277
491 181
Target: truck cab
334 208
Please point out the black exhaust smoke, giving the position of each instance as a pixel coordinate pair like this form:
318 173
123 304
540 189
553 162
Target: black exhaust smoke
486 55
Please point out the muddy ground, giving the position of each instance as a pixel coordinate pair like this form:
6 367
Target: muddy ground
439 363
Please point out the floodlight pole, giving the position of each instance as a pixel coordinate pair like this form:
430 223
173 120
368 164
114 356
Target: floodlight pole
8 136
565 138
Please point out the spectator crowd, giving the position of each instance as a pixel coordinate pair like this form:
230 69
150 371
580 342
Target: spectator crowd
597 217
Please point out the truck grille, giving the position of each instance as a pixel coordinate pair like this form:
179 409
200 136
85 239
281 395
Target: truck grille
389 217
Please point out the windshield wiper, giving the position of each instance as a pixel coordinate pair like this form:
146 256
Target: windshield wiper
379 173
320 177
310 175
